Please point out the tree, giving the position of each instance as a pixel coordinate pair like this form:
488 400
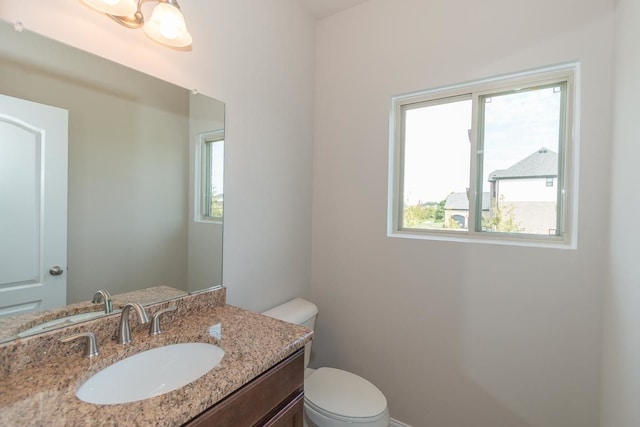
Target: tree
453 224
439 215
502 218
417 214
217 204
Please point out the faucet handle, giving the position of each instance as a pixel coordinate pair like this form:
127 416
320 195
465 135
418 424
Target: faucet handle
155 320
91 347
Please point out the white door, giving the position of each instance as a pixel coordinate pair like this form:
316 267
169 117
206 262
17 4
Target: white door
33 206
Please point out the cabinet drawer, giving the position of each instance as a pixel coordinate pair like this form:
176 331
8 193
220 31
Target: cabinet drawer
259 401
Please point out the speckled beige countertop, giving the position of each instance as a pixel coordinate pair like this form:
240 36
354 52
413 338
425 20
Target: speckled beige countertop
40 375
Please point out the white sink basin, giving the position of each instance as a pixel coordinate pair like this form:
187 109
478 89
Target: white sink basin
150 373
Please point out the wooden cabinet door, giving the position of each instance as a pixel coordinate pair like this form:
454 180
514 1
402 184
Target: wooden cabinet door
262 400
290 416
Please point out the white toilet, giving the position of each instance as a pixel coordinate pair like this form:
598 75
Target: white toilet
333 397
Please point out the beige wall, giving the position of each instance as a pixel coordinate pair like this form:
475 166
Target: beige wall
456 334
258 58
621 367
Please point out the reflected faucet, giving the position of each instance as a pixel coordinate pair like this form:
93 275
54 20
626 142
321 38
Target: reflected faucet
124 331
103 296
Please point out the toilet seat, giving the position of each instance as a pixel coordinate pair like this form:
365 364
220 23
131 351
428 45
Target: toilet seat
329 419
344 396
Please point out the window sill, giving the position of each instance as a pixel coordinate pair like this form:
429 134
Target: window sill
532 242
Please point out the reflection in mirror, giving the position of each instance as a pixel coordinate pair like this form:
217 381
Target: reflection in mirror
135 189
44 321
211 151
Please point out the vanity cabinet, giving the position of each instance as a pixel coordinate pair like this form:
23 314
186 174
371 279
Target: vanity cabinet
274 399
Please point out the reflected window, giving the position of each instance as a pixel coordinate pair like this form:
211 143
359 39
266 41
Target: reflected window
212 173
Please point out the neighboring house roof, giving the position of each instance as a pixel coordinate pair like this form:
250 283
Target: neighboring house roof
541 164
459 202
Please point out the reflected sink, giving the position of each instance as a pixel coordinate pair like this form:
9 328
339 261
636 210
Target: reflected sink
150 373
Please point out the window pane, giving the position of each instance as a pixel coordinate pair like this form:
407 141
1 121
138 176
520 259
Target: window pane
213 199
436 165
521 143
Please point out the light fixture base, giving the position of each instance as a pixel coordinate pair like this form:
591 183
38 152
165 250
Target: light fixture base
133 22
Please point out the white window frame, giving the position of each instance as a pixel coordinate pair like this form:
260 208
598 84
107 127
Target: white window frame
568 155
199 175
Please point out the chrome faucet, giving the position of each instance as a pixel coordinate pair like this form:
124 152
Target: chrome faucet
103 296
124 331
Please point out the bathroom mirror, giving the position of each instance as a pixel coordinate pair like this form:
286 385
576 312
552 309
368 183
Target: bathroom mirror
136 168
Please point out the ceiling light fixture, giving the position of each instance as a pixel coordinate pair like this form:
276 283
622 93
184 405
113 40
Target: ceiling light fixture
166 25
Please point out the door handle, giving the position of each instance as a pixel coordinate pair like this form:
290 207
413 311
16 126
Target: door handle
56 270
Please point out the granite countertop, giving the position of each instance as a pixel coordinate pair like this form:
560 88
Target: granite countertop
39 390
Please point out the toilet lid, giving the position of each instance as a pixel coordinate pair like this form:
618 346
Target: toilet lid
343 393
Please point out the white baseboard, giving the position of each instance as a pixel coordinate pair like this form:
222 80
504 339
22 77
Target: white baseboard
396 423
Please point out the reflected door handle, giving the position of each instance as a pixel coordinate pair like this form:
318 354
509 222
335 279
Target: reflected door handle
55 271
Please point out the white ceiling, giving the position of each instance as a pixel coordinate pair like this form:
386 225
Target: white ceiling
323 8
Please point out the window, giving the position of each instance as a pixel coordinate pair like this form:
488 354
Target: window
490 160
210 158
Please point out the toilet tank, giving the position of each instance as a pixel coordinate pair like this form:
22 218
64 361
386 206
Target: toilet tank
299 312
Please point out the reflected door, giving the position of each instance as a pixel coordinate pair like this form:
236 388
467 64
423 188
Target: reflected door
33 206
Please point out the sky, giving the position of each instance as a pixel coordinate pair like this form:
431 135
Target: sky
217 167
437 147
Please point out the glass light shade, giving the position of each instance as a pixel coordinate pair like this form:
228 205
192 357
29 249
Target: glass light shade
167 26
114 7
